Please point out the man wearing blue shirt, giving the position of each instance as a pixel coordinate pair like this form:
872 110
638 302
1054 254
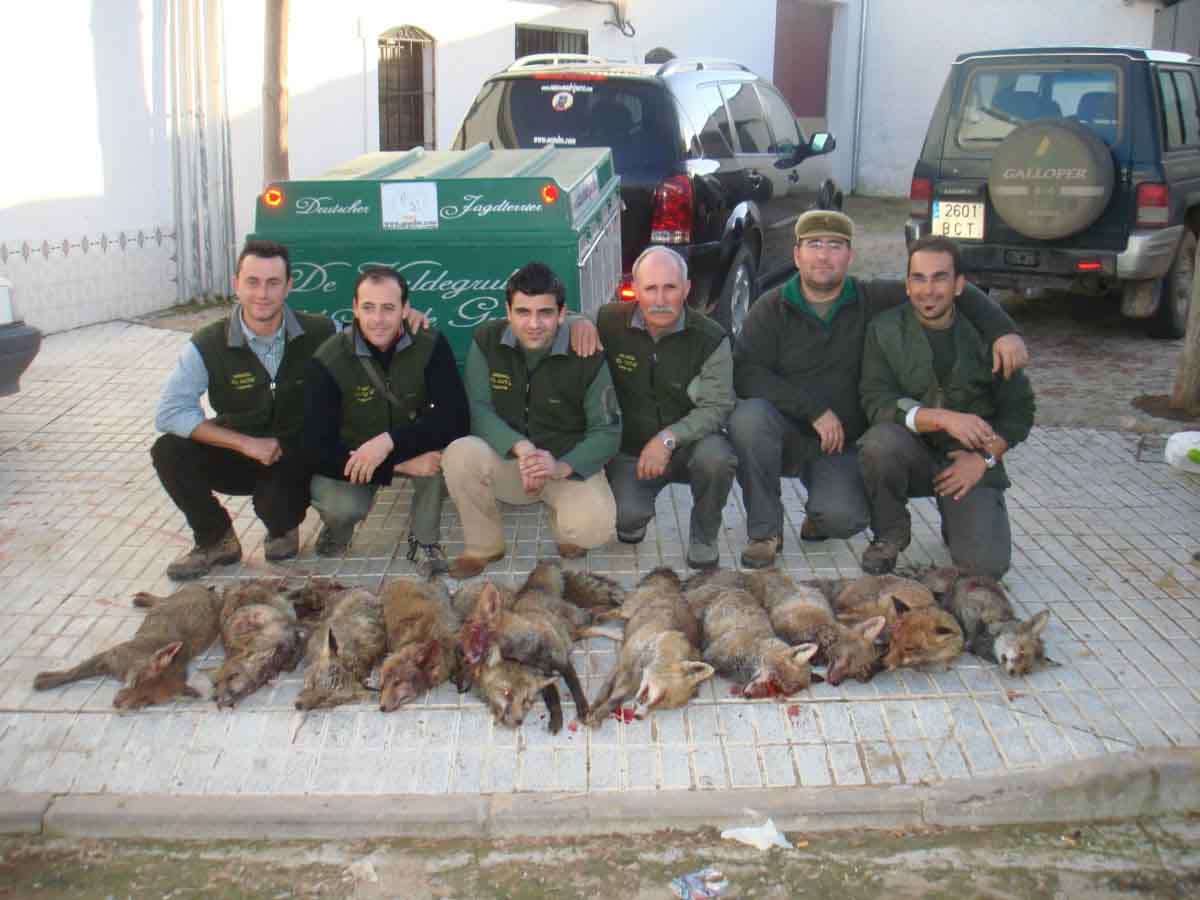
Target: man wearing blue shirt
252 367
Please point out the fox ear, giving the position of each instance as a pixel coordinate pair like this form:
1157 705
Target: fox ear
804 652
1037 624
872 627
698 672
900 606
493 656
331 643
489 600
164 655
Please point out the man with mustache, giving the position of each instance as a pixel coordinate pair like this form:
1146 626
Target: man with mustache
673 371
796 370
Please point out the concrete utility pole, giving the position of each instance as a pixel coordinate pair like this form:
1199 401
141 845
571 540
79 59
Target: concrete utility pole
275 95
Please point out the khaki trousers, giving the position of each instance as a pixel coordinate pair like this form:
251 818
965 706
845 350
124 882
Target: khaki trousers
583 513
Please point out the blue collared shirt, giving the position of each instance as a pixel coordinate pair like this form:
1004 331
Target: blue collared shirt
179 409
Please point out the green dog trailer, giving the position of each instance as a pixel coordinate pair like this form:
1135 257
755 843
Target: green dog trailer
456 223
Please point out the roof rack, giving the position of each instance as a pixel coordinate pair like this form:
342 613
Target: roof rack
533 60
698 63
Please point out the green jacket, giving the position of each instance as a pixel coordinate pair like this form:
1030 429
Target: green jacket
562 403
683 381
241 391
898 372
366 410
805 365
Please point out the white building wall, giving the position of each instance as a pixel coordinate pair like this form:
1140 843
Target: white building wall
910 45
85 197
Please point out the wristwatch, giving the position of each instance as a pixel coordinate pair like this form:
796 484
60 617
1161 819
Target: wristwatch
668 440
988 459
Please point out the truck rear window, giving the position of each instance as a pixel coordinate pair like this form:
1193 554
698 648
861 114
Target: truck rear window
634 119
998 99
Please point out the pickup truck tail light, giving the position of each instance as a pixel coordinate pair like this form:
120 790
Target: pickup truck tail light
672 219
1153 205
921 197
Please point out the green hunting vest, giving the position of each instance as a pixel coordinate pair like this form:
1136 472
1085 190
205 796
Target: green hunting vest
240 389
547 404
652 378
366 410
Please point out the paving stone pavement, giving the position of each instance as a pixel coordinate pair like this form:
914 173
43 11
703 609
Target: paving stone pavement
1103 531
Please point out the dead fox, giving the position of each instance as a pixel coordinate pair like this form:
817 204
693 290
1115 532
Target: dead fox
262 638
511 688
343 650
741 645
422 629
991 628
801 614
924 636
311 599
537 628
660 664
877 595
153 663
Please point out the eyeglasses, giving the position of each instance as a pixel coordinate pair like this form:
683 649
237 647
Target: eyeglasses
833 245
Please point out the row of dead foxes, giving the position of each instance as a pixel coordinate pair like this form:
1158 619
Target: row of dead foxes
759 629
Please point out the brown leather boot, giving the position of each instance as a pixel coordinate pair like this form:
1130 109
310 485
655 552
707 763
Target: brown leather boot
198 561
467 566
761 553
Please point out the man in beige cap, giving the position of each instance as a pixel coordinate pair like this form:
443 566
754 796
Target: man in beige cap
796 371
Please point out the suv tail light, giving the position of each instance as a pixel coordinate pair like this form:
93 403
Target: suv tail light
625 291
672 219
921 196
1153 205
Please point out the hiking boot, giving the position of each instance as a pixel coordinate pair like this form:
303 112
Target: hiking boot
703 556
631 537
285 546
333 541
761 553
571 551
467 566
430 559
880 557
808 532
198 561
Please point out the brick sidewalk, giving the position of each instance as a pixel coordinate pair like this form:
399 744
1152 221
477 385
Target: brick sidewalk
1101 537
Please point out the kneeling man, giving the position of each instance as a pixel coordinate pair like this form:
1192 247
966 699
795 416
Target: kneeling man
941 421
544 421
380 401
673 371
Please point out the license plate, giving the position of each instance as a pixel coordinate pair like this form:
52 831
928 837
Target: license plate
961 221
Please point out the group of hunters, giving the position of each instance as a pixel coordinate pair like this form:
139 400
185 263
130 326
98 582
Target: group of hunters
868 399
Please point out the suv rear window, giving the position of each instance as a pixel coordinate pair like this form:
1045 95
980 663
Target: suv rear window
998 99
633 118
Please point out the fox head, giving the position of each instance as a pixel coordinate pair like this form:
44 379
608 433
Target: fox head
855 654
408 673
784 672
1020 650
241 676
510 688
670 685
328 681
479 630
923 636
144 682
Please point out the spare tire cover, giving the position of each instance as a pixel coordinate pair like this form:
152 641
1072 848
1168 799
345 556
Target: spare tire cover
1051 178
